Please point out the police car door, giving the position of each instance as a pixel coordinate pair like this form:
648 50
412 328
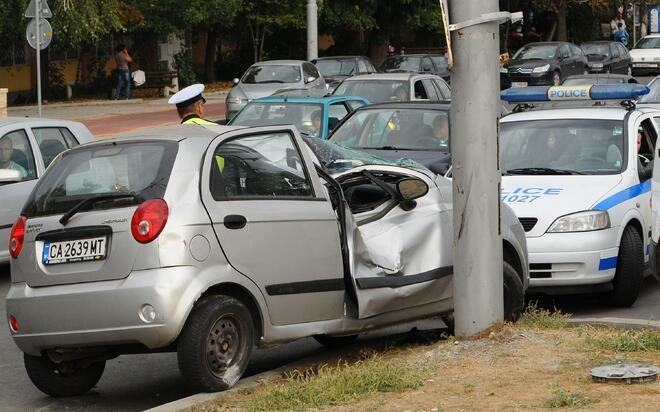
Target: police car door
274 222
643 167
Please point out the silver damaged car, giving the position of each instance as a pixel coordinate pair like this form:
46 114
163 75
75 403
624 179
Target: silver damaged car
208 241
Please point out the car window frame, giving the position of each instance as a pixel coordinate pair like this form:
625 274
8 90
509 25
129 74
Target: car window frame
308 176
431 88
37 162
313 72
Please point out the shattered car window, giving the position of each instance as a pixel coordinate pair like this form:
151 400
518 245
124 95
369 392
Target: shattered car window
337 159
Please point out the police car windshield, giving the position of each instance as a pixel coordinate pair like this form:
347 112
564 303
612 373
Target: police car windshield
395 129
375 91
272 74
648 43
562 146
307 117
535 52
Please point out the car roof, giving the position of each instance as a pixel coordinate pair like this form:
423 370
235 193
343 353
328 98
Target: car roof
604 113
547 43
388 76
4 121
340 57
319 100
172 133
279 62
598 41
407 105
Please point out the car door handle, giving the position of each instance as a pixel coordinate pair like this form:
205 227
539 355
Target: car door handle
235 221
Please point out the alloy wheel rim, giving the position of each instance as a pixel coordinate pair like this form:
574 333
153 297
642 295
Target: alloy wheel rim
222 345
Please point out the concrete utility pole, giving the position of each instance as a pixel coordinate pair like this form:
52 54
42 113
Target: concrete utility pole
478 289
312 30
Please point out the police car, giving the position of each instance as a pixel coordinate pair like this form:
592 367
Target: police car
579 183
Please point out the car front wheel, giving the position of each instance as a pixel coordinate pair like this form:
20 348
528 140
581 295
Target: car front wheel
514 295
556 78
62 379
215 345
629 270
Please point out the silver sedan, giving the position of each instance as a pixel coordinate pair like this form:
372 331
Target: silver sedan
209 240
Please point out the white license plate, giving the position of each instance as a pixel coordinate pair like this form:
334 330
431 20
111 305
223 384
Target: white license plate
597 65
645 65
518 84
72 251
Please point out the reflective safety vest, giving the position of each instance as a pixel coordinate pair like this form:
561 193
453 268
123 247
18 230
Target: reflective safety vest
198 120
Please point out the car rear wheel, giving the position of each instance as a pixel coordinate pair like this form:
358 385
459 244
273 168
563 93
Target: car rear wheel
629 270
556 78
514 295
62 379
215 345
335 341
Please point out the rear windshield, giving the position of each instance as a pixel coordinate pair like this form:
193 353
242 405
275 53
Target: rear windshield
375 91
140 170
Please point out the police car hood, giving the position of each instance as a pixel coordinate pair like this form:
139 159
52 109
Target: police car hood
547 197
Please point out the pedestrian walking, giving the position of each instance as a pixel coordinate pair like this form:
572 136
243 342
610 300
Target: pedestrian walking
614 23
621 35
122 58
190 105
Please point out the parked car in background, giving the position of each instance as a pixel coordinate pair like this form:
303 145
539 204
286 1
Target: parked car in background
264 78
415 130
222 238
652 99
607 57
335 69
27 147
646 56
314 117
417 63
546 63
388 87
586 79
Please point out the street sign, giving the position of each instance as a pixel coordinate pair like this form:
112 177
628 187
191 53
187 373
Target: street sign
30 12
45 30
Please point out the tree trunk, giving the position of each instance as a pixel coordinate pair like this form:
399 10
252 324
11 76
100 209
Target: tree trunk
209 60
562 30
261 44
378 42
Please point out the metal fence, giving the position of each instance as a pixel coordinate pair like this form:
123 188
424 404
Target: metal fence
16 55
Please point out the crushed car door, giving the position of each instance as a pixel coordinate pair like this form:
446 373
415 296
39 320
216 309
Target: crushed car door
400 249
274 222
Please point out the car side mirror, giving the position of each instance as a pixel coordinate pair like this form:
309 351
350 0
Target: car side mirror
310 79
411 189
235 80
10 176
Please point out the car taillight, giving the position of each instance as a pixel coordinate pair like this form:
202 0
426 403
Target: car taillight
13 324
149 220
16 237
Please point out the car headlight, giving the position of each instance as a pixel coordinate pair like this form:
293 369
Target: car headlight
581 222
236 100
504 70
541 69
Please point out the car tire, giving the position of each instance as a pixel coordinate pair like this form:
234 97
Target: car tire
58 380
556 78
514 295
335 341
629 270
215 345
450 322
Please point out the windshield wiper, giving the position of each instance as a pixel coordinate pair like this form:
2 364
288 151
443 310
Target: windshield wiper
386 147
541 171
270 81
89 201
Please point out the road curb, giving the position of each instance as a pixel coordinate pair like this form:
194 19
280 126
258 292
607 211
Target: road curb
247 383
108 102
623 323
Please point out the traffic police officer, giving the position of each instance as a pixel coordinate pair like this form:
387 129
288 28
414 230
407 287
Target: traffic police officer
190 105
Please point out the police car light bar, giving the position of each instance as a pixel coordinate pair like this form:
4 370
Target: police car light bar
628 91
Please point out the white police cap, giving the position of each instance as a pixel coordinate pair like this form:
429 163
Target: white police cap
188 95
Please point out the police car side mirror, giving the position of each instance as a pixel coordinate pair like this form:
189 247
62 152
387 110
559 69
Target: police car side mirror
411 189
235 80
10 176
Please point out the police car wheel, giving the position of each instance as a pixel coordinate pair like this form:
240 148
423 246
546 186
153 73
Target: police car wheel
514 296
215 344
629 270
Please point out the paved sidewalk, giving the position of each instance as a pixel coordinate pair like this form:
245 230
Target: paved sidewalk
111 117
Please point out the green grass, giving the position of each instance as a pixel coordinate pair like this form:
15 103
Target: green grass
536 317
628 341
337 385
562 398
